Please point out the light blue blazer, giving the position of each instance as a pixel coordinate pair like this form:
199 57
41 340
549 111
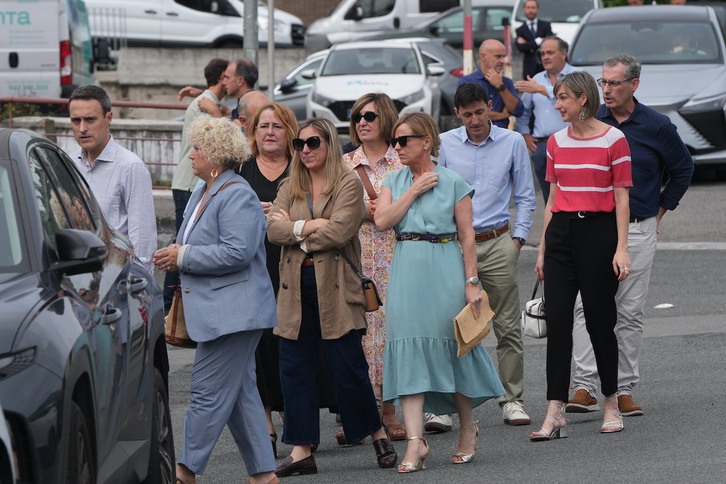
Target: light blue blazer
224 279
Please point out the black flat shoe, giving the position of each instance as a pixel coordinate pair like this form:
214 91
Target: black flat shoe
273 440
385 453
303 467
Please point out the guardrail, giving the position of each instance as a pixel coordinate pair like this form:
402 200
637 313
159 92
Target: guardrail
50 131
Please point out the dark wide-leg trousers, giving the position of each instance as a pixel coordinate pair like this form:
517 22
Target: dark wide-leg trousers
348 371
578 257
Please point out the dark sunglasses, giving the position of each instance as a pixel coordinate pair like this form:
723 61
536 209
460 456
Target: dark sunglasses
403 140
370 116
313 143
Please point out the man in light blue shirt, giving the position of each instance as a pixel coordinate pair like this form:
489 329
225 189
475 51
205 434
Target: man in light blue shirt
495 162
539 99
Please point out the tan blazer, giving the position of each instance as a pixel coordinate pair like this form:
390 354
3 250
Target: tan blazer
340 295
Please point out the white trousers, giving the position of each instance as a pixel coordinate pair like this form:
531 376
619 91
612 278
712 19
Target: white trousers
630 299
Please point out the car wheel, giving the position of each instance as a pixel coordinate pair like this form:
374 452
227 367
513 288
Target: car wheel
79 467
162 469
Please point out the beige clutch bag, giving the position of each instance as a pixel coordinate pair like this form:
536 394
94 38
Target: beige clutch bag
469 331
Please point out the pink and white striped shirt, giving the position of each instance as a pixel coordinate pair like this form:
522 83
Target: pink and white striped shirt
587 169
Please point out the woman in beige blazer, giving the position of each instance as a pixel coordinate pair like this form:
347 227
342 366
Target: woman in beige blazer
320 303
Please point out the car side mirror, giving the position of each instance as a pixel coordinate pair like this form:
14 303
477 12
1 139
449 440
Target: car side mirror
355 12
432 70
79 252
308 74
287 85
434 29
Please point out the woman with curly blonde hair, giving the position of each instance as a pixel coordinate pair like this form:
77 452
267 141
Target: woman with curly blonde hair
228 303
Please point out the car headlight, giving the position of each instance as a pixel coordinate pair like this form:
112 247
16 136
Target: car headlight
12 363
415 97
713 103
318 98
263 22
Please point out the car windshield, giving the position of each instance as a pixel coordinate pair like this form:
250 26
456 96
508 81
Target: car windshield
12 255
566 11
650 41
371 61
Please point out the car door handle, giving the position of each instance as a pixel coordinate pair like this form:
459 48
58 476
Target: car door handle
172 14
111 315
150 11
138 285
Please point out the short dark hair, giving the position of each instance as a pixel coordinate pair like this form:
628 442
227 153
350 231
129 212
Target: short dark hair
90 92
214 70
562 46
247 70
469 92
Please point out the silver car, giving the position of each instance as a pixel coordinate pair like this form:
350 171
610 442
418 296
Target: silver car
682 51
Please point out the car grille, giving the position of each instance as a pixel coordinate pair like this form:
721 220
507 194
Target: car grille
298 34
342 108
711 125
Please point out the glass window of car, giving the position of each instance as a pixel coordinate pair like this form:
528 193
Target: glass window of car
565 11
74 200
220 7
52 210
12 255
494 18
650 41
429 6
376 8
297 75
454 23
371 61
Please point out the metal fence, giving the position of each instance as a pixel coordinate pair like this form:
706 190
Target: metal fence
109 32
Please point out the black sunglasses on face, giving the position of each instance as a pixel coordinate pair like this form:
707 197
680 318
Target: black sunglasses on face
370 116
313 143
403 140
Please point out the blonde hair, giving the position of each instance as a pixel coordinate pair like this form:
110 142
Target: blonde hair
301 183
387 114
423 124
220 141
286 118
581 83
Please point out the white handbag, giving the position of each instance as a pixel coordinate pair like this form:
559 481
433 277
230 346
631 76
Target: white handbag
534 317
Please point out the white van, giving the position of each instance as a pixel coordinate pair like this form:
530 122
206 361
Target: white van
45 48
353 19
186 23
564 15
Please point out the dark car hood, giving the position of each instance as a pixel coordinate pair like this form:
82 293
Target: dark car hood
20 295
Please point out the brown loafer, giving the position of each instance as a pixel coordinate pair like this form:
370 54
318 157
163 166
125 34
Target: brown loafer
385 453
627 406
582 402
303 467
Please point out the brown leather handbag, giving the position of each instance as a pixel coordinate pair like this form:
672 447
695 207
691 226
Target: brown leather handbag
175 325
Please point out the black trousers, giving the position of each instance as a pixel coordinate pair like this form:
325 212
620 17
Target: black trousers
171 278
579 253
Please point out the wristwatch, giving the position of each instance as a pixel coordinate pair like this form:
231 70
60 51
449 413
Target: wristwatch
502 87
474 281
520 239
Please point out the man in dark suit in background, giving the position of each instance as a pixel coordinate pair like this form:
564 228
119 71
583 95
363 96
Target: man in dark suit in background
529 37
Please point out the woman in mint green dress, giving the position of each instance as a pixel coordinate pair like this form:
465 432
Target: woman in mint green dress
427 289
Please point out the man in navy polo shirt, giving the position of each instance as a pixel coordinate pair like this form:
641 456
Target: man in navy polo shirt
655 148
500 89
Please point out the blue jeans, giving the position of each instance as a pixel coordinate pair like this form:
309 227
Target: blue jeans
348 370
539 160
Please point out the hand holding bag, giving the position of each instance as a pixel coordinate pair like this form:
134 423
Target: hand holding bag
469 331
534 316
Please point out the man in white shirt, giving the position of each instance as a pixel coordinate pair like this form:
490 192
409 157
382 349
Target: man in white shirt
118 178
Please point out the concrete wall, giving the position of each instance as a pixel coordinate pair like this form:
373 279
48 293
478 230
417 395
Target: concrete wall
157 75
155 142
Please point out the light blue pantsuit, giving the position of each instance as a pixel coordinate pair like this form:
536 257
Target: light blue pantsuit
224 391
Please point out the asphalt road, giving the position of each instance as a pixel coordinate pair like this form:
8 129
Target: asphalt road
680 439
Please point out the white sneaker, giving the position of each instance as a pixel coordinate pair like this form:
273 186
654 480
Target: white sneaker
514 414
437 423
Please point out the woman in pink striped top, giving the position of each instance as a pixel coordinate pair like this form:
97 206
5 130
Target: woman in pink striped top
584 245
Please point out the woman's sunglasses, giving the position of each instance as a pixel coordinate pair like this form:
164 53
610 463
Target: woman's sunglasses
313 143
370 116
403 140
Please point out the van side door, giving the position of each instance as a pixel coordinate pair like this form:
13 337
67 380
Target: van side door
200 22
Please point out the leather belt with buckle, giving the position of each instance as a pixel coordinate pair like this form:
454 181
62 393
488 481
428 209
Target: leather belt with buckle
492 233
